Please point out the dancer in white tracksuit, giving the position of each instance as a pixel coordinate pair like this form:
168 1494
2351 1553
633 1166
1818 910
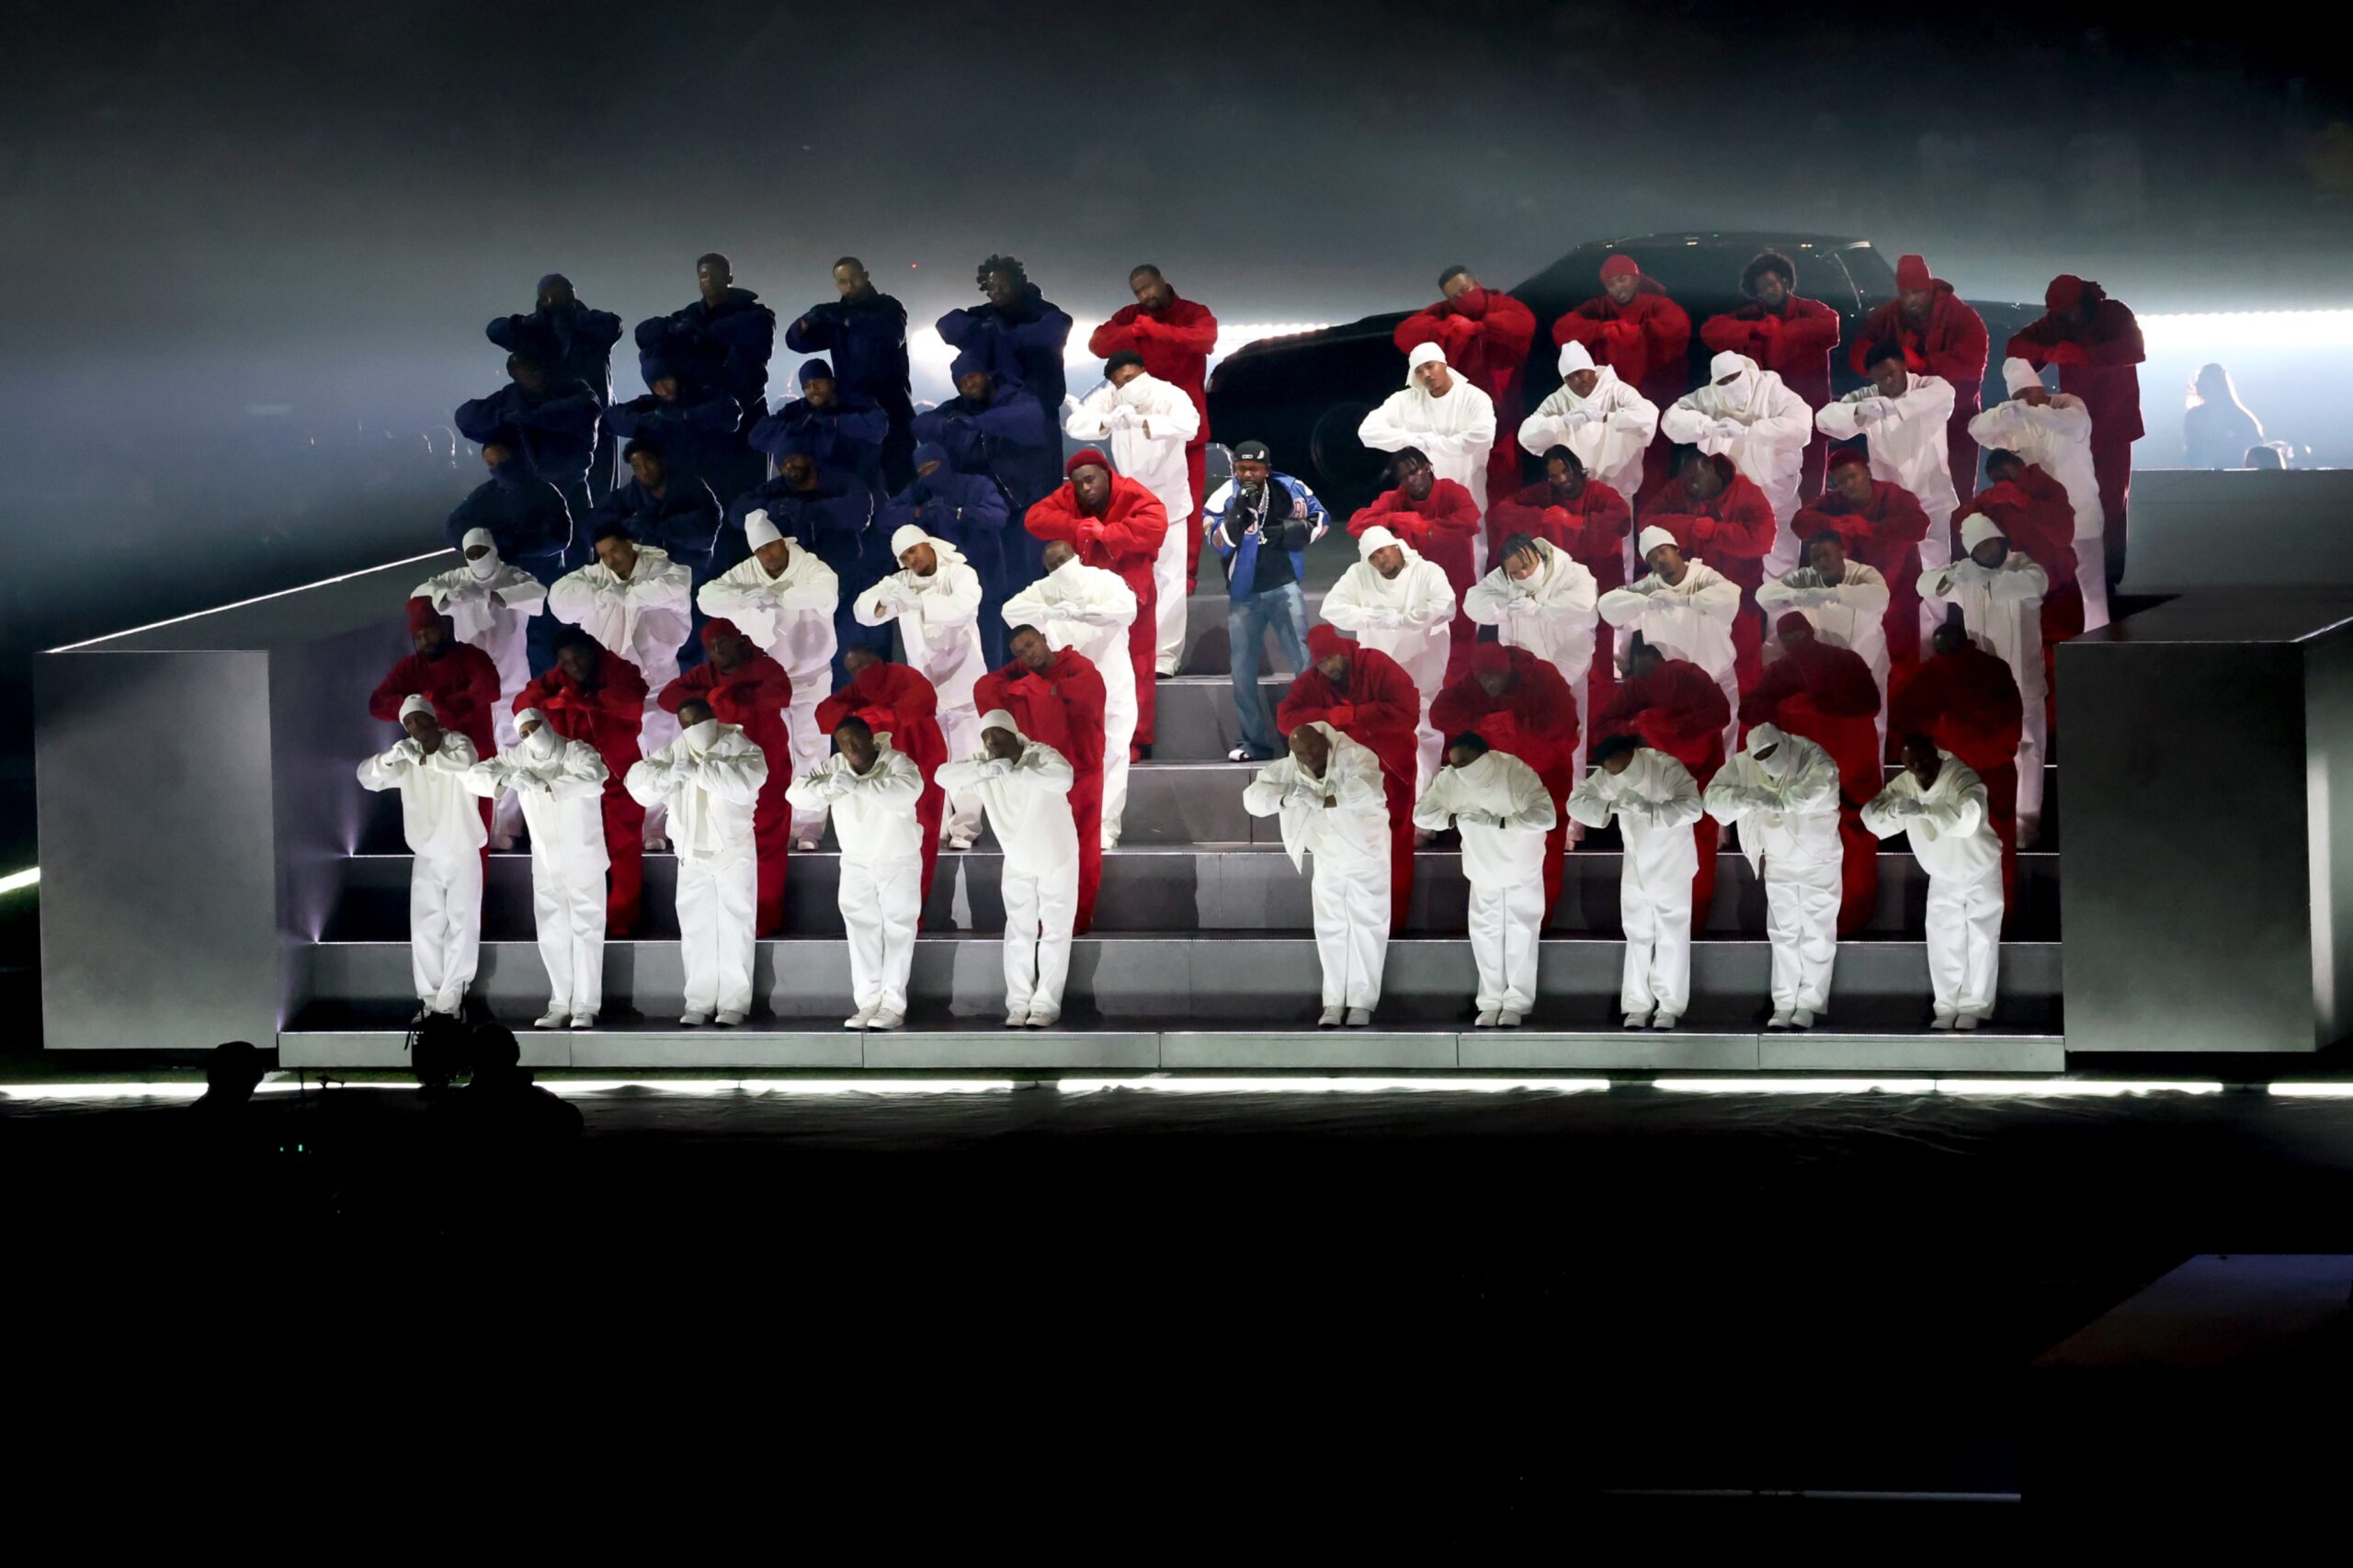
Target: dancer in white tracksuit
1399 604
1025 787
2054 432
1783 792
710 777
1328 795
1542 598
489 603
935 599
1451 422
1503 814
1090 609
1903 419
1605 422
1999 592
1846 603
445 841
634 600
1939 804
1148 423
1685 609
560 785
872 789
1750 415
783 598
1655 803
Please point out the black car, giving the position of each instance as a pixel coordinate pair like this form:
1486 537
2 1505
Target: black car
1305 396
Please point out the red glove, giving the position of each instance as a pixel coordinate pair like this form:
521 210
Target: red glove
1704 529
1341 717
2070 354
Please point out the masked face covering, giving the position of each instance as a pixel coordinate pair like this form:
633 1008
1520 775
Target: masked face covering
700 736
543 744
483 565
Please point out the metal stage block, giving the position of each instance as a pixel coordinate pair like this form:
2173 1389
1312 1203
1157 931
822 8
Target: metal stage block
1314 1051
1823 1048
1526 1050
1014 1051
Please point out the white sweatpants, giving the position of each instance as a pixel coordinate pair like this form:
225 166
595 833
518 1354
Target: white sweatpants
1656 913
444 927
1936 549
655 731
1429 751
1965 942
807 748
880 907
2034 744
1351 900
1505 924
569 907
1119 733
514 674
960 814
1802 919
715 938
1168 580
2091 575
1040 908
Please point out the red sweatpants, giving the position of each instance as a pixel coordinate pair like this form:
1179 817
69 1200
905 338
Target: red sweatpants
931 806
625 851
1859 871
1086 816
771 837
1704 834
1144 637
1400 800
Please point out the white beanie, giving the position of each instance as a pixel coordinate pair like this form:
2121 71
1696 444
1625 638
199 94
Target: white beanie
1574 357
1764 735
758 531
1652 538
998 719
1424 354
906 535
1976 530
1372 538
2018 375
416 704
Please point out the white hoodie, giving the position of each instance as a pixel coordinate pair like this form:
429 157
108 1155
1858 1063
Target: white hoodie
487 602
1353 830
2002 607
1608 431
2055 438
1852 614
643 618
1148 423
1691 619
440 815
1455 432
1028 800
710 777
1907 440
873 812
1787 804
938 616
1755 420
1504 812
1655 803
561 786
1088 608
790 617
1551 614
1946 824
1406 616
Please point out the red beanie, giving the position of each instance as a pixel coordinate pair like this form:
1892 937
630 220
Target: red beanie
2065 292
1323 643
1620 266
1791 622
1848 457
1910 272
1087 458
712 631
421 614
1489 658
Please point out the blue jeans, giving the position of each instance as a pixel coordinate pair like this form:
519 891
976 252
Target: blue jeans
1247 620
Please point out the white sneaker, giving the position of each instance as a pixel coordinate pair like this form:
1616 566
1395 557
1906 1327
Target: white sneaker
885 1019
1967 1021
693 1020
1801 1019
1330 1020
804 845
1486 1020
554 1018
1665 1020
1778 1021
960 843
1507 1019
1015 1019
500 843
1359 1016
584 1020
1638 1020
1044 1021
1941 1021
862 1018
1422 837
731 1020
1240 754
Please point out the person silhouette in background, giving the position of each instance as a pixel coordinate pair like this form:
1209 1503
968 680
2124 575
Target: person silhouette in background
2217 428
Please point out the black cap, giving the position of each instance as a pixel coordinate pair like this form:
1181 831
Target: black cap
1253 451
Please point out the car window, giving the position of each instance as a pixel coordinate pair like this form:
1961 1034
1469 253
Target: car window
1874 279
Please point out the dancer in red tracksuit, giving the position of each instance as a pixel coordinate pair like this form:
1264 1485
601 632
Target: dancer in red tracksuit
1368 697
1941 337
1635 329
1673 706
748 689
1175 338
1719 514
594 695
1485 334
1056 698
1881 525
1966 700
2095 343
1590 521
1438 517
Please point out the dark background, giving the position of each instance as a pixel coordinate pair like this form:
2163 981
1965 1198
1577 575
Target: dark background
248 249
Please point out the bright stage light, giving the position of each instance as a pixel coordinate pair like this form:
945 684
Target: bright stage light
2045 1089
1163 1085
781 1085
2314 1091
1797 1085
2222 331
16 880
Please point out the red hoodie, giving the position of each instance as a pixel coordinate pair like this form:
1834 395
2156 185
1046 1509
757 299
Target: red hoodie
1647 341
1592 528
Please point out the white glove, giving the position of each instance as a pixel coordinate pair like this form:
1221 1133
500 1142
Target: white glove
1575 418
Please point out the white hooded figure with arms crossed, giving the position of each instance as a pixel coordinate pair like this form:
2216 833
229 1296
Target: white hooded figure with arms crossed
1329 796
1024 785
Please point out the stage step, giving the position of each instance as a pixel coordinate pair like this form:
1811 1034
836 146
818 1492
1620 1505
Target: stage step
1203 888
1263 980
1119 1051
